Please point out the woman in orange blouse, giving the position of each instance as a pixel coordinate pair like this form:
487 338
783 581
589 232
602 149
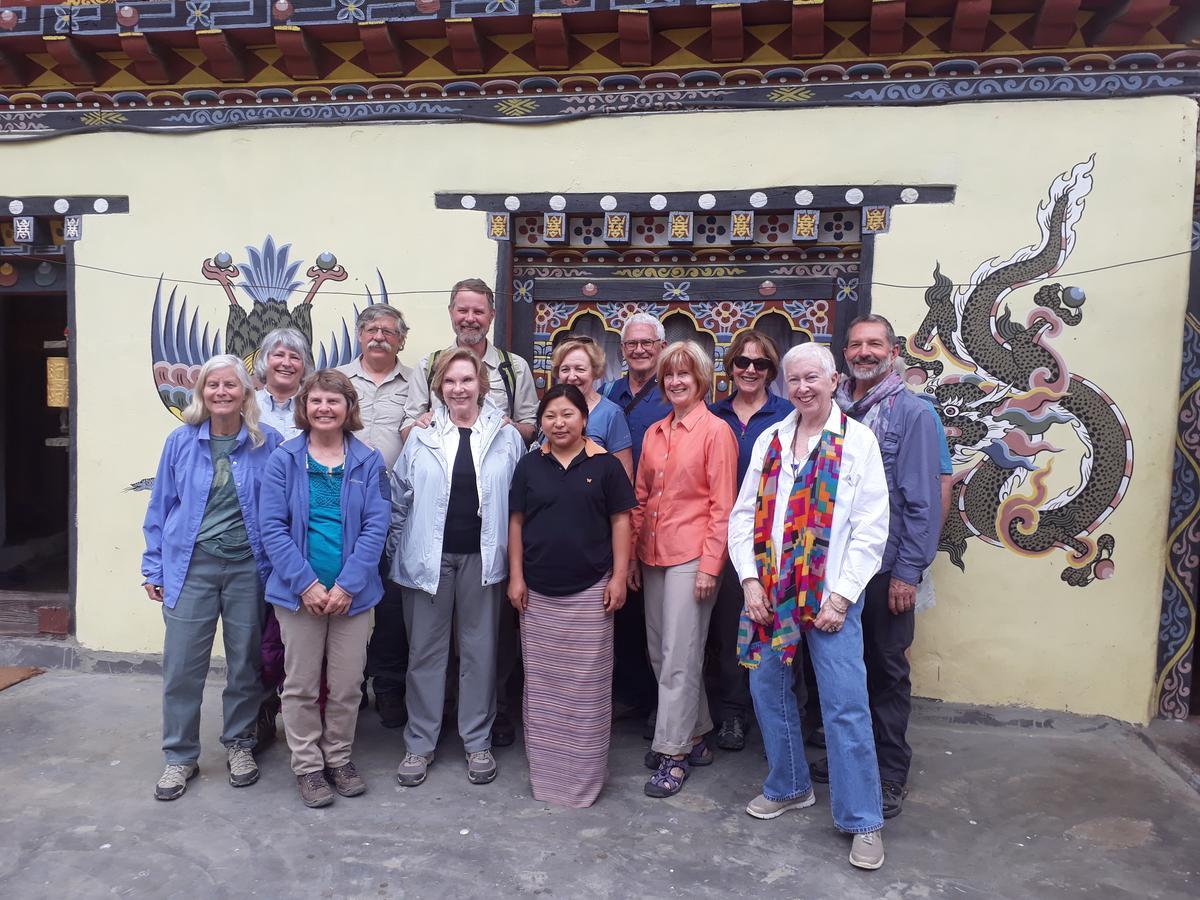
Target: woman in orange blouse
685 490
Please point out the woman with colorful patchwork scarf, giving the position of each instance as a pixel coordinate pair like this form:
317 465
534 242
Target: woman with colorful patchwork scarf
806 535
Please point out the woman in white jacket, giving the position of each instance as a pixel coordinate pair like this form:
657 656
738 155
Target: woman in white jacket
448 547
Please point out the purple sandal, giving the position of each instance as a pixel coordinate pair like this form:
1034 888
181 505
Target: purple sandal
700 755
664 782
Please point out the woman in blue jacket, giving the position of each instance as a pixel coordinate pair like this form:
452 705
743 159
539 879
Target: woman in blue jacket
204 559
325 506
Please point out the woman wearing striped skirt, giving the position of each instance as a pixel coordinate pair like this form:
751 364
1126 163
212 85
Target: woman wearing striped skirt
568 555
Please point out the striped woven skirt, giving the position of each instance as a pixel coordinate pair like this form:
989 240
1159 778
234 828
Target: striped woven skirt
567 644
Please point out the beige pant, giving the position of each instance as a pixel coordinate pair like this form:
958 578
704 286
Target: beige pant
676 628
341 642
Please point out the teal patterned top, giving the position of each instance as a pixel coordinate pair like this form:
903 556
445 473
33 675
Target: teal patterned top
325 520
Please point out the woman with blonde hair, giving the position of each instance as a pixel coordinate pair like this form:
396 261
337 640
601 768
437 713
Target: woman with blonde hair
204 560
579 361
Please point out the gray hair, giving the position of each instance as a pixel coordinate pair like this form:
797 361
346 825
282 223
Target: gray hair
644 318
378 310
290 339
811 350
875 319
196 412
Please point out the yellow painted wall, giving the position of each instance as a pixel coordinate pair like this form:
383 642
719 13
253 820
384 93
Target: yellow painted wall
1006 631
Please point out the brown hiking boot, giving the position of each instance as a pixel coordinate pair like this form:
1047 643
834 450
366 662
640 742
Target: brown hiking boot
314 790
346 780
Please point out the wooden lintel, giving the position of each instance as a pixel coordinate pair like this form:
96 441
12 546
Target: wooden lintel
14 69
226 56
466 47
968 28
384 54
728 35
150 60
550 45
1055 23
808 28
74 62
887 27
636 34
1123 24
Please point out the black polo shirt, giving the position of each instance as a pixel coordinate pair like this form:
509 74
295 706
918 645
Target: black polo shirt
568 533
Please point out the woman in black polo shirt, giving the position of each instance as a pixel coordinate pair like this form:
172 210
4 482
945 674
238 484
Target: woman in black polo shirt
568 554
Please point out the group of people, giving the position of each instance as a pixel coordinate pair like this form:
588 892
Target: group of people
589 535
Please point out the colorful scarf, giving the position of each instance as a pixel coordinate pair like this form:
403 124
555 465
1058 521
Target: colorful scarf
795 587
874 409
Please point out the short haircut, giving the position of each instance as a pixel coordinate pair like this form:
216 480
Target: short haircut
753 336
289 338
822 354
449 357
644 318
568 392
478 285
594 354
874 319
196 412
336 383
690 356
378 311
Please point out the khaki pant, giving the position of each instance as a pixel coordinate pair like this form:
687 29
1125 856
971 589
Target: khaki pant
676 628
308 640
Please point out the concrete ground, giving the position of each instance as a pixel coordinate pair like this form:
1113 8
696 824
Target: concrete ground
1003 804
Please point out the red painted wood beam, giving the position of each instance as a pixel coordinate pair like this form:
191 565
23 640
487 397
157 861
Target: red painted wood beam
74 62
226 56
636 33
14 69
887 27
299 52
1055 23
726 31
384 55
1124 23
968 28
466 49
808 28
150 60
550 45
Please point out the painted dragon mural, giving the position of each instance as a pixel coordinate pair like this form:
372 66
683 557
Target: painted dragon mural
1008 388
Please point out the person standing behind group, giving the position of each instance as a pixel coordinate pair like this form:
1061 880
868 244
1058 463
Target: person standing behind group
568 550
579 361
203 560
448 547
685 490
752 363
325 507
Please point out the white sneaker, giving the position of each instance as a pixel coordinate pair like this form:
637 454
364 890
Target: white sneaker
866 852
762 808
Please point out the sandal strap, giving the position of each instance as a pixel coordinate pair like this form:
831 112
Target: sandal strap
663 776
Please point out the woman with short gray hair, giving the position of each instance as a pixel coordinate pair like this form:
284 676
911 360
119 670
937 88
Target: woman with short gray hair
284 360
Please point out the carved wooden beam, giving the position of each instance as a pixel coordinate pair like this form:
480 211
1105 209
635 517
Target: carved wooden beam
1055 23
14 69
968 28
75 62
466 48
150 59
1123 23
550 44
887 27
384 54
808 28
726 31
636 33
226 56
299 52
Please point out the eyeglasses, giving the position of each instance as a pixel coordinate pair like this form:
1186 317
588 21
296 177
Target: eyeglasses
760 364
379 329
640 345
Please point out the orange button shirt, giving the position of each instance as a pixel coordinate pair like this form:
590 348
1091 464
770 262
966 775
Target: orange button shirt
686 483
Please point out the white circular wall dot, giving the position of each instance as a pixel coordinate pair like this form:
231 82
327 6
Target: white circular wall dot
558 203
658 201
608 203
61 205
854 195
512 203
16 207
706 201
758 199
468 202
101 205
909 195
804 198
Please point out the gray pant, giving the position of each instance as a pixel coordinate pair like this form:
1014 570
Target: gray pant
231 590
475 613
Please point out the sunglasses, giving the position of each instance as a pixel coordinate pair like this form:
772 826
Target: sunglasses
760 364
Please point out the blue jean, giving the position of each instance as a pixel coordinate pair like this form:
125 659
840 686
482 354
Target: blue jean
854 791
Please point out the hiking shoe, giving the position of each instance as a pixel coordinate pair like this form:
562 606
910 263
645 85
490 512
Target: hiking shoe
866 852
762 808
503 733
174 781
413 769
819 770
243 770
732 735
481 767
315 791
346 780
392 708
893 798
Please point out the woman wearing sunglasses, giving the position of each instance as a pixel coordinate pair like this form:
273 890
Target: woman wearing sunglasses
752 363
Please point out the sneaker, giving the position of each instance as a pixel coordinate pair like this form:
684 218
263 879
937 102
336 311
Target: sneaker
503 733
762 808
413 769
481 767
392 709
243 770
893 798
819 770
315 791
346 780
866 852
732 735
174 781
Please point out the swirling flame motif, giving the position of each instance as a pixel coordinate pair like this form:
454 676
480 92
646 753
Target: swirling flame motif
1016 387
